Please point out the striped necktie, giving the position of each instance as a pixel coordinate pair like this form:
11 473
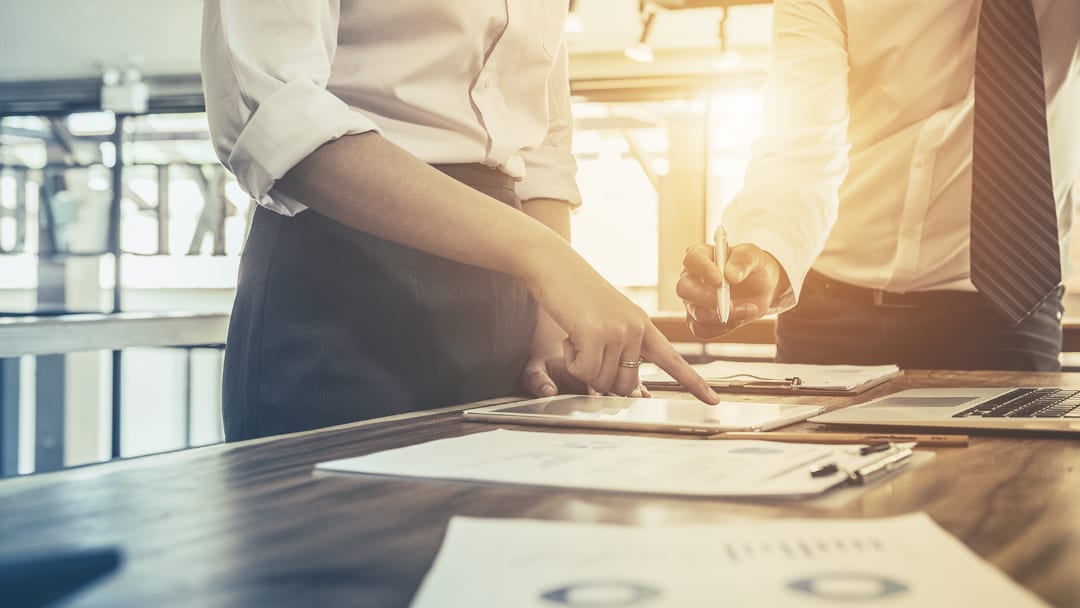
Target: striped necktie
1015 257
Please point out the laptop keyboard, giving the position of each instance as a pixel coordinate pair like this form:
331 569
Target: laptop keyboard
1028 403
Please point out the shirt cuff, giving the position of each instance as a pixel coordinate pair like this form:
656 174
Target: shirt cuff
285 129
794 264
550 172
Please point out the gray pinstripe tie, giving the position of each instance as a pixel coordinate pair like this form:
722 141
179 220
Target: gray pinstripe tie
1015 258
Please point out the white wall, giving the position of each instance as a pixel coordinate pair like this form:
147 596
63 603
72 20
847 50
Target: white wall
46 39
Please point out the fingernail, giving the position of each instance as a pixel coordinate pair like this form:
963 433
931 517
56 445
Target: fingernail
548 390
714 396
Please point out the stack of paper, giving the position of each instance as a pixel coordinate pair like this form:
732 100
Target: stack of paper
898 562
780 377
617 463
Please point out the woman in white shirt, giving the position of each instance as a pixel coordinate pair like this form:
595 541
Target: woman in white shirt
392 265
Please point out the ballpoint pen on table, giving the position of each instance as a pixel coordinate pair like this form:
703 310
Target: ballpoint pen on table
857 438
893 461
894 456
723 293
752 380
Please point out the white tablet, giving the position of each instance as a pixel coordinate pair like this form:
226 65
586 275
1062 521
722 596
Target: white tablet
662 415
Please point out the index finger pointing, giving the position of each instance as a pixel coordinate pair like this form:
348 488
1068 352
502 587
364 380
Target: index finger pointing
657 349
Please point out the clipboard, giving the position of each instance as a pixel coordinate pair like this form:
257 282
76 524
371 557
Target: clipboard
779 378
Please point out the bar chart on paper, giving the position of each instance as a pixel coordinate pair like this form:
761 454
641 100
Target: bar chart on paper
903 561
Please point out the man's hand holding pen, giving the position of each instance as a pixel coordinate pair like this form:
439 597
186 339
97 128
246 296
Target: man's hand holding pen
754 276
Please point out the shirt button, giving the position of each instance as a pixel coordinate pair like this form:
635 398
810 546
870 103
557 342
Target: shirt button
487 82
919 163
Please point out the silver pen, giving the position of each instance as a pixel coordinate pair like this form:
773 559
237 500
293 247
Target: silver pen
901 457
723 293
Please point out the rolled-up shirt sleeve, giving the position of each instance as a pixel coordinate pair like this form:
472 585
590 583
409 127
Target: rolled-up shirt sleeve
790 198
266 64
550 168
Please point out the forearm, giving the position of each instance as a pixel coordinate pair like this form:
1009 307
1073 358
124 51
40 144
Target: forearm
554 214
367 183
789 200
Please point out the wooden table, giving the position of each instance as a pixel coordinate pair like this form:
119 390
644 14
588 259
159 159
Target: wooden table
249 525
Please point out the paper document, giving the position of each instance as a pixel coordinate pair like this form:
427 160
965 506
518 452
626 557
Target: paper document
779 377
898 562
653 465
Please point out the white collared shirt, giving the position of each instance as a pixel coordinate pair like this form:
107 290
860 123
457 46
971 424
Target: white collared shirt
483 81
886 101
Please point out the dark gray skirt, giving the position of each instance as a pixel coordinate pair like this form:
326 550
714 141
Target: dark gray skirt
332 325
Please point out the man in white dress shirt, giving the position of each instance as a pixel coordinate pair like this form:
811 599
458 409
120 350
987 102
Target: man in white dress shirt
413 169
859 201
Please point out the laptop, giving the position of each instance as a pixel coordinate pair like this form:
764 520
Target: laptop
1013 409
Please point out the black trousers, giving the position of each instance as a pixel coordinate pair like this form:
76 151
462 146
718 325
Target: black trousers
839 323
332 325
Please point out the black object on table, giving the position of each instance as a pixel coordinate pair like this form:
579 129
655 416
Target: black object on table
32 581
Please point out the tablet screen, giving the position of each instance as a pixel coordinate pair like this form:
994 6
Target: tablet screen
669 415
